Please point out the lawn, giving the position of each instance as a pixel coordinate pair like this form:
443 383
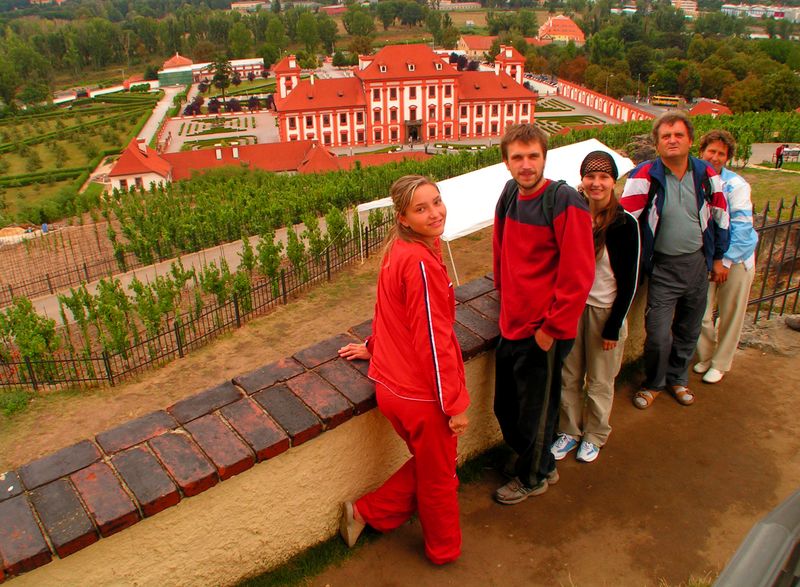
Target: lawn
770 186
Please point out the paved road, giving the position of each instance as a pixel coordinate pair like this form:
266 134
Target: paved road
159 112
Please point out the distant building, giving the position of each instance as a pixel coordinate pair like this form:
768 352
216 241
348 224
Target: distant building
709 107
448 6
791 13
180 70
249 7
333 10
404 93
474 46
562 29
141 166
689 7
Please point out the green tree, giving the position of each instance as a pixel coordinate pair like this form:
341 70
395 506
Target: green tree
240 41
296 252
307 32
327 29
387 13
276 34
358 22
221 75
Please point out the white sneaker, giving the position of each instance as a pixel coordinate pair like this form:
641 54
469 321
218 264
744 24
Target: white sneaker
563 445
701 367
587 452
713 376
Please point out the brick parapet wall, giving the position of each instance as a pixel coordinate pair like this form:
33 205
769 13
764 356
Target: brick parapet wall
70 499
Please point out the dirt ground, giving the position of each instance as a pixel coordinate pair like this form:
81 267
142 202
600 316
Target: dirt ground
670 498
63 418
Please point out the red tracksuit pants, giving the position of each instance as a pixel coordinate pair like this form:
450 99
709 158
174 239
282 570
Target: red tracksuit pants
426 483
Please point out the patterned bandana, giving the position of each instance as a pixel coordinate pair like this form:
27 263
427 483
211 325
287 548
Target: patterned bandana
599 161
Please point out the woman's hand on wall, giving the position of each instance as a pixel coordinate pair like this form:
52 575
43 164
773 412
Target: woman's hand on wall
355 351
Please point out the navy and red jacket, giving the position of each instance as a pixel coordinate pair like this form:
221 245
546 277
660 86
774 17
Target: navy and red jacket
415 353
543 271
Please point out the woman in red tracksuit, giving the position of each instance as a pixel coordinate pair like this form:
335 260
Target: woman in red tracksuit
419 376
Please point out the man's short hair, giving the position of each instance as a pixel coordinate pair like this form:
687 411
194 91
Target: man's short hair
524 133
671 118
723 136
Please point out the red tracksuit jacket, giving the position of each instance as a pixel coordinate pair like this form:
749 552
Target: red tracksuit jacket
415 353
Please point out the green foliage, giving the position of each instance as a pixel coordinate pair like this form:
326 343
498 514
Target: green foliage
13 400
317 243
338 230
269 258
247 257
32 334
296 252
242 288
217 280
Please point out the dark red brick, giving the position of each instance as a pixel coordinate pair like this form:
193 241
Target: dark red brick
108 504
63 517
290 413
22 546
360 366
486 305
324 351
228 454
135 431
328 404
185 462
265 437
359 390
268 375
471 344
473 289
363 330
10 485
147 480
204 402
61 463
486 329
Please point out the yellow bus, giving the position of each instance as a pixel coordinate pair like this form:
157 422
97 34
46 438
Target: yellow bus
673 101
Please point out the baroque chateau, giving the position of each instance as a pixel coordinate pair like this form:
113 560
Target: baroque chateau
402 94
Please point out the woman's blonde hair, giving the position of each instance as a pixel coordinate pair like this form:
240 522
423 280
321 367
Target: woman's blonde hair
402 192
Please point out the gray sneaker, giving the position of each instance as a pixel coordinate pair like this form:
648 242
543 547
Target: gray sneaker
516 491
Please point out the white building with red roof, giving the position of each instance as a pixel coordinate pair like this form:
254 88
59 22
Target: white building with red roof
141 166
404 93
709 107
562 29
474 46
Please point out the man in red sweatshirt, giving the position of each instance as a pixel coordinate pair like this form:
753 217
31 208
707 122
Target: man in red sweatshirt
543 271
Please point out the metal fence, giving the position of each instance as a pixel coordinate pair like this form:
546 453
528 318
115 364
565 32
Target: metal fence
188 332
777 281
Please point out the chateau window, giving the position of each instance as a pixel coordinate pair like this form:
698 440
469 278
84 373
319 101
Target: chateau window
378 136
343 118
360 136
309 122
510 110
431 132
432 92
412 113
393 115
412 92
447 91
463 112
393 134
438 67
393 93
463 130
494 110
432 112
359 118
376 115
524 109
448 111
479 111
326 138
411 67
343 137
292 123
326 120
448 131
382 68
479 128
376 94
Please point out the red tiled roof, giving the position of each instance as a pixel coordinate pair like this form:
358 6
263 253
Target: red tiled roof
482 85
283 65
515 55
561 26
342 92
269 157
372 159
397 58
133 162
177 60
478 42
706 107
318 160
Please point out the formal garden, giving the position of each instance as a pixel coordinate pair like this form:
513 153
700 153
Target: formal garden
46 155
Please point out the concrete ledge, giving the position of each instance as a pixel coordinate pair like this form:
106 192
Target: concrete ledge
309 415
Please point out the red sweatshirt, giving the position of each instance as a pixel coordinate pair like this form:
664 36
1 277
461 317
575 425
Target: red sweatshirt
543 273
415 353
